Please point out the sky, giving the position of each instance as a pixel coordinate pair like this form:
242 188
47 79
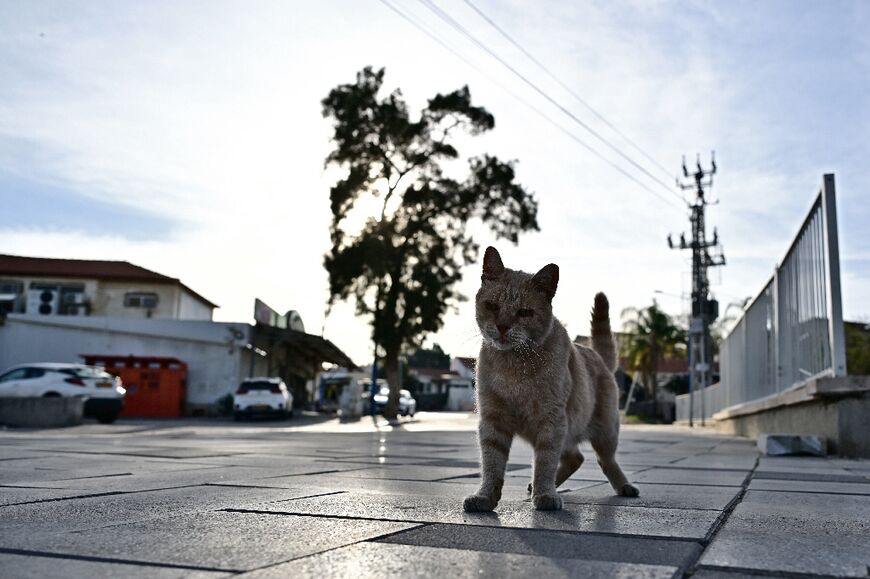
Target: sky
187 137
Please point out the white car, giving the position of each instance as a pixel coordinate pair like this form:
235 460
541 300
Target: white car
103 393
407 403
262 396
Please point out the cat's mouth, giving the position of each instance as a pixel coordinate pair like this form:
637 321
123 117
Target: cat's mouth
502 343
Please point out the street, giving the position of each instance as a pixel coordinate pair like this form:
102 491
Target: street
312 497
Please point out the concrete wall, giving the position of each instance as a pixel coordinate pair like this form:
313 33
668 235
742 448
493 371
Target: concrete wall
191 307
843 422
41 412
213 351
109 299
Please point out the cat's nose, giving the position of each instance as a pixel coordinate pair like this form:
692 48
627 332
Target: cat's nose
502 329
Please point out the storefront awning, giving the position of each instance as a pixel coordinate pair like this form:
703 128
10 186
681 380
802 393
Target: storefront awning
313 347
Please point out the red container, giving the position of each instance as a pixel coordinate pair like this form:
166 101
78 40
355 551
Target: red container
155 386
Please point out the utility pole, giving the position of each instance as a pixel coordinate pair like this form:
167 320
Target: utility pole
704 309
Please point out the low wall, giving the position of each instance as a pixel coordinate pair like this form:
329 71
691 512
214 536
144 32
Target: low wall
41 412
835 408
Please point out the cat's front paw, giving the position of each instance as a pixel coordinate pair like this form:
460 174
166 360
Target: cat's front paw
478 504
548 502
629 490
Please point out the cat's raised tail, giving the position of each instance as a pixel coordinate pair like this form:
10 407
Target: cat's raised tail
602 337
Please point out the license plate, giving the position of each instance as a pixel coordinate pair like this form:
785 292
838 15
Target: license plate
104 384
262 407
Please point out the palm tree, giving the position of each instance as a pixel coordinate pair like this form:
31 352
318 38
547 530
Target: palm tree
652 335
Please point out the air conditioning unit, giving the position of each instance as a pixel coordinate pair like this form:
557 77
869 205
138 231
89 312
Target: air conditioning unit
43 301
74 303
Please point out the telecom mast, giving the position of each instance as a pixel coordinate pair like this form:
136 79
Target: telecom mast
704 309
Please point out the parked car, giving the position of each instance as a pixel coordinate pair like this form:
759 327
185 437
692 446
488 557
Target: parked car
262 396
103 393
407 404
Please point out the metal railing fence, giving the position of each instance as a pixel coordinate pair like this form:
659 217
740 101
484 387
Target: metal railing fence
793 330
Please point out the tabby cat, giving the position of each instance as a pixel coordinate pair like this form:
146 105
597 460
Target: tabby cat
533 381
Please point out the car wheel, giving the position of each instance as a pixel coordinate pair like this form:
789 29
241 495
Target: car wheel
237 417
107 418
51 395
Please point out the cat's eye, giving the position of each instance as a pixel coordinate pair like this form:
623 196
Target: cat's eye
525 313
491 306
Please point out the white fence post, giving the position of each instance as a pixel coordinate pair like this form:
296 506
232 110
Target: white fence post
832 261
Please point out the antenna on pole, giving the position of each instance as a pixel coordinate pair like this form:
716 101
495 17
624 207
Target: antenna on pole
704 309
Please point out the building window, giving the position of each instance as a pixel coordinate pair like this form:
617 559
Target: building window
11 296
140 300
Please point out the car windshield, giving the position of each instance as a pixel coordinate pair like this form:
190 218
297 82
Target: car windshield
85 372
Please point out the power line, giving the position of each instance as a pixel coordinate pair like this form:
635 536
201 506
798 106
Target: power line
567 88
407 17
457 26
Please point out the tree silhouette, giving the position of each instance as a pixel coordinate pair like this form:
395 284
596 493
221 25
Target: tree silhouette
402 264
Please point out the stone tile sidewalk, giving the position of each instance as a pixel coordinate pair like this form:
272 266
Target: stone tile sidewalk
315 498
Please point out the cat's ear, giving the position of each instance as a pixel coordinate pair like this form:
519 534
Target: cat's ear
547 279
493 268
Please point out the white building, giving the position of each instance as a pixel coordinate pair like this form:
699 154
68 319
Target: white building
78 287
218 354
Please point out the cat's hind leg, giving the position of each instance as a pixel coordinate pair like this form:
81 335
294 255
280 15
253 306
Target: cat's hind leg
604 443
569 462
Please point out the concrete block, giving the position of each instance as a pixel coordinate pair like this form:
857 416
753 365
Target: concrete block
41 412
658 496
20 523
787 444
653 522
811 534
552 544
690 476
409 562
228 541
43 567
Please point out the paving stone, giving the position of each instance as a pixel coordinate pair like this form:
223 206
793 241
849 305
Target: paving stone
218 540
717 461
380 560
590 471
709 573
15 496
39 567
810 486
658 495
518 484
198 476
809 476
640 459
90 512
422 473
795 532
554 544
389 486
691 476
683 523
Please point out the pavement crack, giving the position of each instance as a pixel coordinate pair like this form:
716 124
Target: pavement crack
723 518
93 559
